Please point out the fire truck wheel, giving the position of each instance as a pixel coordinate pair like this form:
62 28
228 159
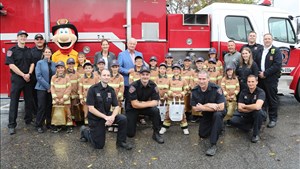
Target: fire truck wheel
297 92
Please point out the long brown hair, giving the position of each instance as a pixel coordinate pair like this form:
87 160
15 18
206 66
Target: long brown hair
45 50
250 61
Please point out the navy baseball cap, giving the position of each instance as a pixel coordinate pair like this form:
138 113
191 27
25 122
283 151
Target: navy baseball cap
22 32
163 64
60 63
213 60
145 69
230 67
70 61
212 51
200 59
187 58
87 63
38 36
176 66
138 57
101 60
114 63
153 58
169 55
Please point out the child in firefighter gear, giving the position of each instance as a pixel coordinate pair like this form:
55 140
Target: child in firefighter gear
169 62
153 68
194 82
101 66
81 60
117 83
60 90
212 53
85 83
187 74
178 88
230 86
103 111
134 76
214 75
74 78
163 83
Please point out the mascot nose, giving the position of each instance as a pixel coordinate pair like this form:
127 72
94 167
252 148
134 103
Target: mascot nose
64 37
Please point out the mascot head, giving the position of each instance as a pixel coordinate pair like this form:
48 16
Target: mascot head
64 35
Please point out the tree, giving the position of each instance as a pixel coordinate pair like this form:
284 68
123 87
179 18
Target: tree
192 6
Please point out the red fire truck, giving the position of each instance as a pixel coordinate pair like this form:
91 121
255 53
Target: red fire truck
146 20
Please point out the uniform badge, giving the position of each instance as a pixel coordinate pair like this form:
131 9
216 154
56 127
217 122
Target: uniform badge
9 53
245 97
109 95
254 97
220 91
272 51
131 89
98 94
255 48
271 57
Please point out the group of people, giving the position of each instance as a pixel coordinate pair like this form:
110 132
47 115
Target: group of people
240 92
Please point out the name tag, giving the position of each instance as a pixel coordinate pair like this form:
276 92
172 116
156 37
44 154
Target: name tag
98 94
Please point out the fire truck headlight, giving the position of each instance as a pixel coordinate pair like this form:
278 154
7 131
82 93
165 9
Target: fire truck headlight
189 41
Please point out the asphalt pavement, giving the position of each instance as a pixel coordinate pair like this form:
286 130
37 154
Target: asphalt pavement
278 148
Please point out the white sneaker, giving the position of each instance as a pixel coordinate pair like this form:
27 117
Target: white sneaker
186 131
162 130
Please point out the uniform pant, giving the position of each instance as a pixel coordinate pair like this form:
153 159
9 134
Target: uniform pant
247 121
211 125
271 103
33 82
44 108
18 84
231 106
132 116
96 131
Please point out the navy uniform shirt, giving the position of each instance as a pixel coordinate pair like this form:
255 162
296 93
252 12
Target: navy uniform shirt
250 98
21 57
142 93
36 54
213 94
255 49
102 99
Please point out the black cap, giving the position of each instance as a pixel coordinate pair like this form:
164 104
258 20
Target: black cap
22 32
153 58
87 64
163 64
60 63
169 55
187 58
212 51
101 60
145 69
200 59
114 63
70 60
176 66
38 36
138 57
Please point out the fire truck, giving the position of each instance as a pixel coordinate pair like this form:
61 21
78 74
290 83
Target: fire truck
146 20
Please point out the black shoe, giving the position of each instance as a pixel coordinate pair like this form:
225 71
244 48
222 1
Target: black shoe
271 124
40 130
32 123
254 139
12 131
124 145
195 119
158 138
211 151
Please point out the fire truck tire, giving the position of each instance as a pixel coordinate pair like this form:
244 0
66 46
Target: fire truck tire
297 92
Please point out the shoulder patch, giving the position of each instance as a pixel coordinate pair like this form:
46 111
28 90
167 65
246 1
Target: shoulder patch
9 53
220 91
131 89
